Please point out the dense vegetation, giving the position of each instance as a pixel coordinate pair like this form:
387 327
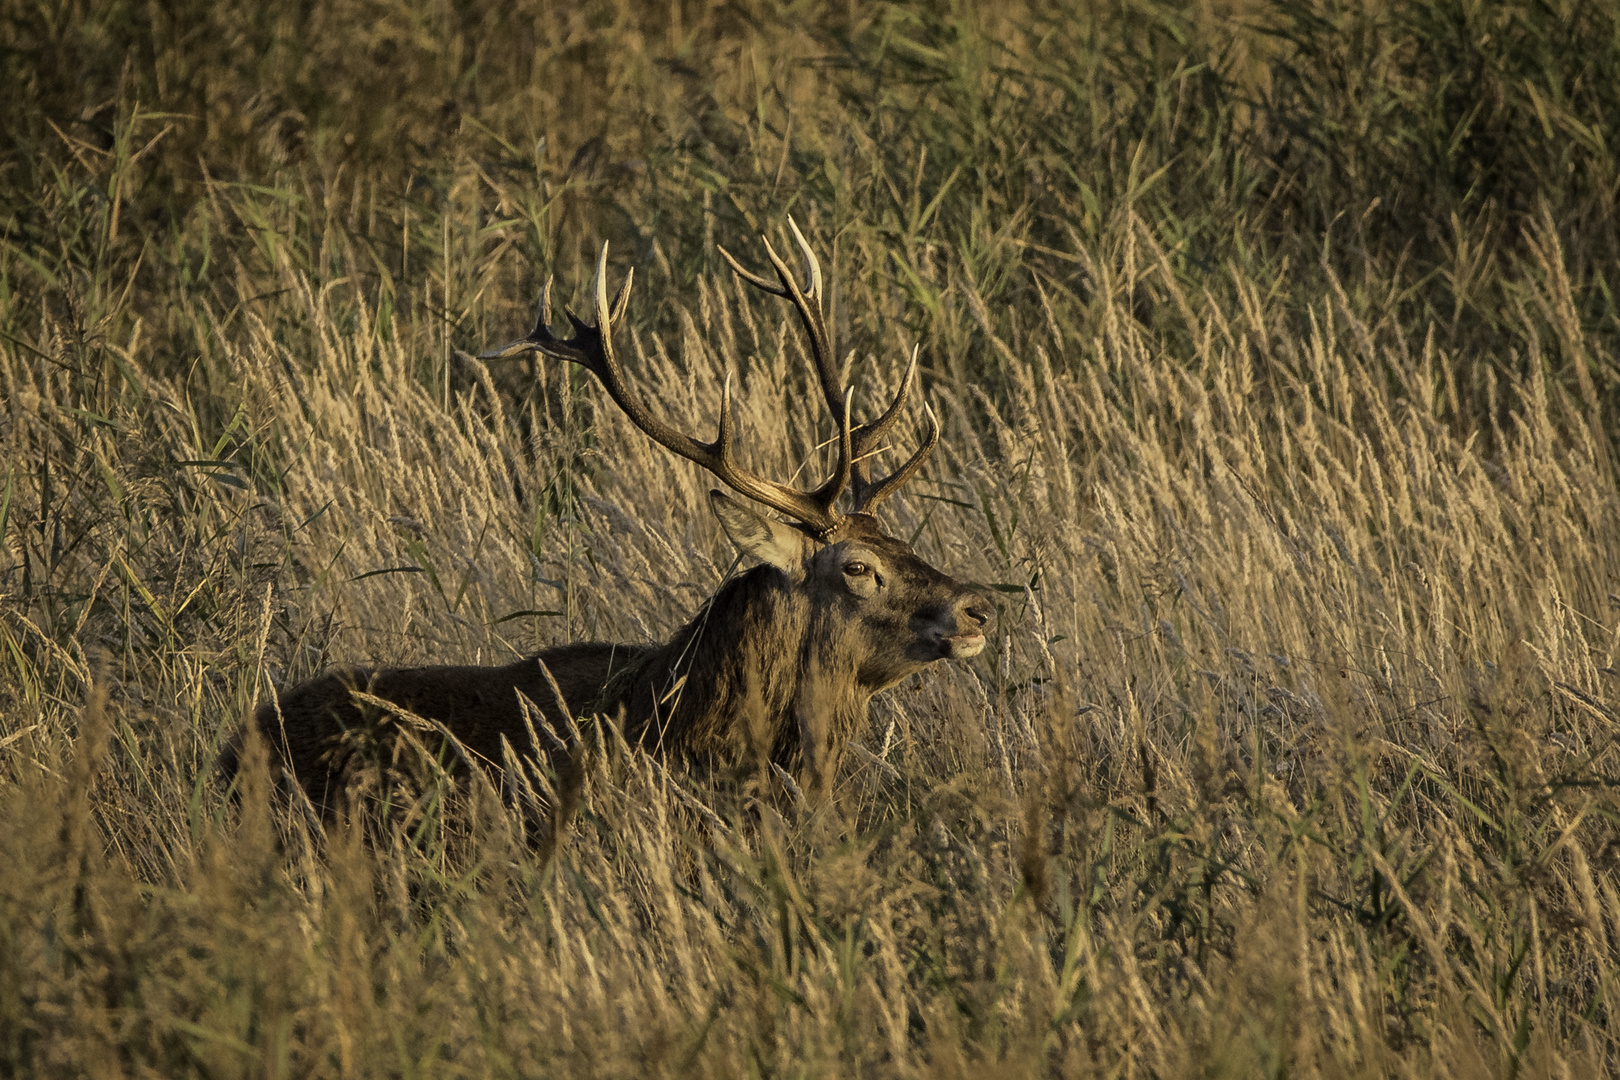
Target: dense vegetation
1276 349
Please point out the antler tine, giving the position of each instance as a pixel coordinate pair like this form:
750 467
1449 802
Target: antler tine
591 347
608 314
542 317
869 495
875 430
533 339
748 275
870 434
807 302
812 265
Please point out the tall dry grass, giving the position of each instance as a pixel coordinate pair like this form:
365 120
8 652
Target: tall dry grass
1277 363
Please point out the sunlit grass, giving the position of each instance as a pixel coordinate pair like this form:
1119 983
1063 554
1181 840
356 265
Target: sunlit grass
1275 351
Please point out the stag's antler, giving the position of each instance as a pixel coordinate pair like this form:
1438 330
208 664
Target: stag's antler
591 347
806 301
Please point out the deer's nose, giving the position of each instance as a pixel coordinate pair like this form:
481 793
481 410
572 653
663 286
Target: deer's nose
973 618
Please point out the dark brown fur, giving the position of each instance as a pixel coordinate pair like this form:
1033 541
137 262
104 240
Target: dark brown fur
778 665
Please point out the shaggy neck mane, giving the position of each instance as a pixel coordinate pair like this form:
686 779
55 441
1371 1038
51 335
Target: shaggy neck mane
739 680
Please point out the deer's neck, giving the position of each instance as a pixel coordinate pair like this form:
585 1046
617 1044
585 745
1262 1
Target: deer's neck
753 674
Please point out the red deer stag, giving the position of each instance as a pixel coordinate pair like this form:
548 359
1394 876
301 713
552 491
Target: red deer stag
780 662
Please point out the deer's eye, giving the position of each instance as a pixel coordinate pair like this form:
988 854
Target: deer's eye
856 569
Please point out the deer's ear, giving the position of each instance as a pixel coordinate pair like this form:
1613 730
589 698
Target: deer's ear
783 546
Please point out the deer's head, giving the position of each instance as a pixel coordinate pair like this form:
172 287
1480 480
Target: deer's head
891 612
885 611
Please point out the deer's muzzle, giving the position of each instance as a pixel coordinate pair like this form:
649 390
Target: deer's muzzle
965 636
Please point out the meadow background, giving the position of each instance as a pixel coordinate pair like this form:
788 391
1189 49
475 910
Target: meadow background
1275 346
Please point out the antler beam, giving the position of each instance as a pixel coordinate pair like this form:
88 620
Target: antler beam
591 347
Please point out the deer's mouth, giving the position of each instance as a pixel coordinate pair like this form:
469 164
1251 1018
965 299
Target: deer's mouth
962 646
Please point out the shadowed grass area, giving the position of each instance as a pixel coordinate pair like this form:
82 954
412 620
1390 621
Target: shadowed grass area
1276 354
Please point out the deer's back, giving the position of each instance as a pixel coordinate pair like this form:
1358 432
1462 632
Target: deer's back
312 726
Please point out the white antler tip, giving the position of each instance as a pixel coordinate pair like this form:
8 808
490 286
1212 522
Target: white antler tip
812 265
599 298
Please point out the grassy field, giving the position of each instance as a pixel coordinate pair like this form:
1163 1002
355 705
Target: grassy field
1277 355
